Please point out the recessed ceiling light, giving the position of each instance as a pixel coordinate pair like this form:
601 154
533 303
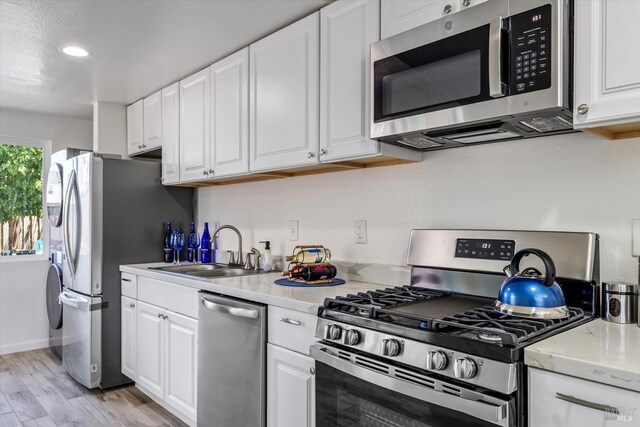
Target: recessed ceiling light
75 51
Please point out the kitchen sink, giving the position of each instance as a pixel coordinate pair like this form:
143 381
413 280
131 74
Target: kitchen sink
207 270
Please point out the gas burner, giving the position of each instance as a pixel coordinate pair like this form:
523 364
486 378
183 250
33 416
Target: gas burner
490 335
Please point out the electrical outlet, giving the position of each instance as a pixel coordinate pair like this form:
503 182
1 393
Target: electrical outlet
360 231
293 230
636 237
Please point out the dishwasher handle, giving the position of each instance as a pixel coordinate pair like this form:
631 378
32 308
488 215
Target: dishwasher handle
234 311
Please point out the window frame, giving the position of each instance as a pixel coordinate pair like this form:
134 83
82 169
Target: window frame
45 146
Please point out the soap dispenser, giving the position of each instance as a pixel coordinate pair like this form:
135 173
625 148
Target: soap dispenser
267 263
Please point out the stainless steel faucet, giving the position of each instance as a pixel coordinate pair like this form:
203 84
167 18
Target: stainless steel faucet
231 227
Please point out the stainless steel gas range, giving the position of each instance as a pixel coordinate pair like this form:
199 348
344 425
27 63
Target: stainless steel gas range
435 352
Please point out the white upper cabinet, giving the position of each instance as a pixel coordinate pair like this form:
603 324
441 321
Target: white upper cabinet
284 92
398 16
195 105
135 127
347 29
171 134
230 115
152 123
607 67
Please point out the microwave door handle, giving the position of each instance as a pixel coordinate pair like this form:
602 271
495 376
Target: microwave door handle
495 57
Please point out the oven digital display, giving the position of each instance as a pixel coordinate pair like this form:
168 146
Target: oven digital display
485 249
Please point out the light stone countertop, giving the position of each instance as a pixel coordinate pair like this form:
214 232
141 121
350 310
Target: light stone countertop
258 287
600 351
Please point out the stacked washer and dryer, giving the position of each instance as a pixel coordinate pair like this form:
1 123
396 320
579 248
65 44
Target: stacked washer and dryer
54 198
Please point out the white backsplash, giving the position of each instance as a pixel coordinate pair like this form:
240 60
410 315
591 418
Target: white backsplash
576 182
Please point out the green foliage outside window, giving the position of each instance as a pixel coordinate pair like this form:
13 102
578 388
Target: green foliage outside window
20 187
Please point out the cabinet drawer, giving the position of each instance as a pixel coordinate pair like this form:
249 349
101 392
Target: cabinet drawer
291 329
557 400
171 296
129 285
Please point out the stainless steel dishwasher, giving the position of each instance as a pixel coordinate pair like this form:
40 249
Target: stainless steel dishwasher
232 339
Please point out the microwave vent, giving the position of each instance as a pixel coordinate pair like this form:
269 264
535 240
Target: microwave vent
548 124
482 136
419 141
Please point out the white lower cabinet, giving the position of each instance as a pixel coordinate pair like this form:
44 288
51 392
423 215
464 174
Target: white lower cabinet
557 400
290 388
128 333
160 352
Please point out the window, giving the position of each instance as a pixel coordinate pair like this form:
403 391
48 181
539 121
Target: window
22 180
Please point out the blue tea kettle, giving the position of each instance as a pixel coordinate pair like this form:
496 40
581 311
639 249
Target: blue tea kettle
529 293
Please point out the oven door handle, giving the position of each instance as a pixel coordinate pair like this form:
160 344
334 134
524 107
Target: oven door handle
495 58
475 404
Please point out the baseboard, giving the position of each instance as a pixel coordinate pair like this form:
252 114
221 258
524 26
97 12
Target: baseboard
24 346
166 406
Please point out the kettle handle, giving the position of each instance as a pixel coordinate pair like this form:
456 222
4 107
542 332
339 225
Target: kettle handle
549 266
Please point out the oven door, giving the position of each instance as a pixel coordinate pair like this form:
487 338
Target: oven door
355 390
444 73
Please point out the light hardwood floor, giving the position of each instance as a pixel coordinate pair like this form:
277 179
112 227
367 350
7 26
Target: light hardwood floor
35 391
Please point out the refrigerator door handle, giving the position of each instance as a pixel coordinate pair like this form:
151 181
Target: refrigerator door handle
72 253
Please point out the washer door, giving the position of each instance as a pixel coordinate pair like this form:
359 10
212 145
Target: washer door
54 288
54 195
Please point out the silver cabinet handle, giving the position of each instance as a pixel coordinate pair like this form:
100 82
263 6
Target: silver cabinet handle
312 370
144 145
495 58
131 305
126 280
205 172
583 109
234 311
211 171
310 154
597 406
466 3
323 151
447 8
139 146
291 322
165 317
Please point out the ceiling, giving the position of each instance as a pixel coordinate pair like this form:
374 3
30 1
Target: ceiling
138 46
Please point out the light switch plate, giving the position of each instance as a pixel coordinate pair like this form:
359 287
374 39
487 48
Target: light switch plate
636 237
293 230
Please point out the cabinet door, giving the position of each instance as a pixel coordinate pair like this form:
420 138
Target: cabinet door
150 348
128 336
398 16
135 126
230 114
181 354
171 134
152 122
195 97
284 91
347 28
552 402
291 399
607 77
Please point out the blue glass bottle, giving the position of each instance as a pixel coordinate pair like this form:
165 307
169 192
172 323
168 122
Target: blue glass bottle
205 247
191 250
168 250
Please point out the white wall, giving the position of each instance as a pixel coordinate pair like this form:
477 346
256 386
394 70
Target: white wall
62 131
576 182
23 315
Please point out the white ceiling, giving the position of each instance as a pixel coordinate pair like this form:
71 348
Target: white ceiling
138 46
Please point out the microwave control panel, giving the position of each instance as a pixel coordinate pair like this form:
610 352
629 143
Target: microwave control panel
530 34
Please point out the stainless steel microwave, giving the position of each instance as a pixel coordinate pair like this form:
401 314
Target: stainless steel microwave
500 70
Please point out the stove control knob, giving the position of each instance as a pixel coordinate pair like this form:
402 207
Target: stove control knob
436 360
391 347
332 332
465 368
351 337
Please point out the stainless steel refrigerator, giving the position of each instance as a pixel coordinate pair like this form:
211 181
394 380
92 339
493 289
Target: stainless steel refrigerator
113 213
